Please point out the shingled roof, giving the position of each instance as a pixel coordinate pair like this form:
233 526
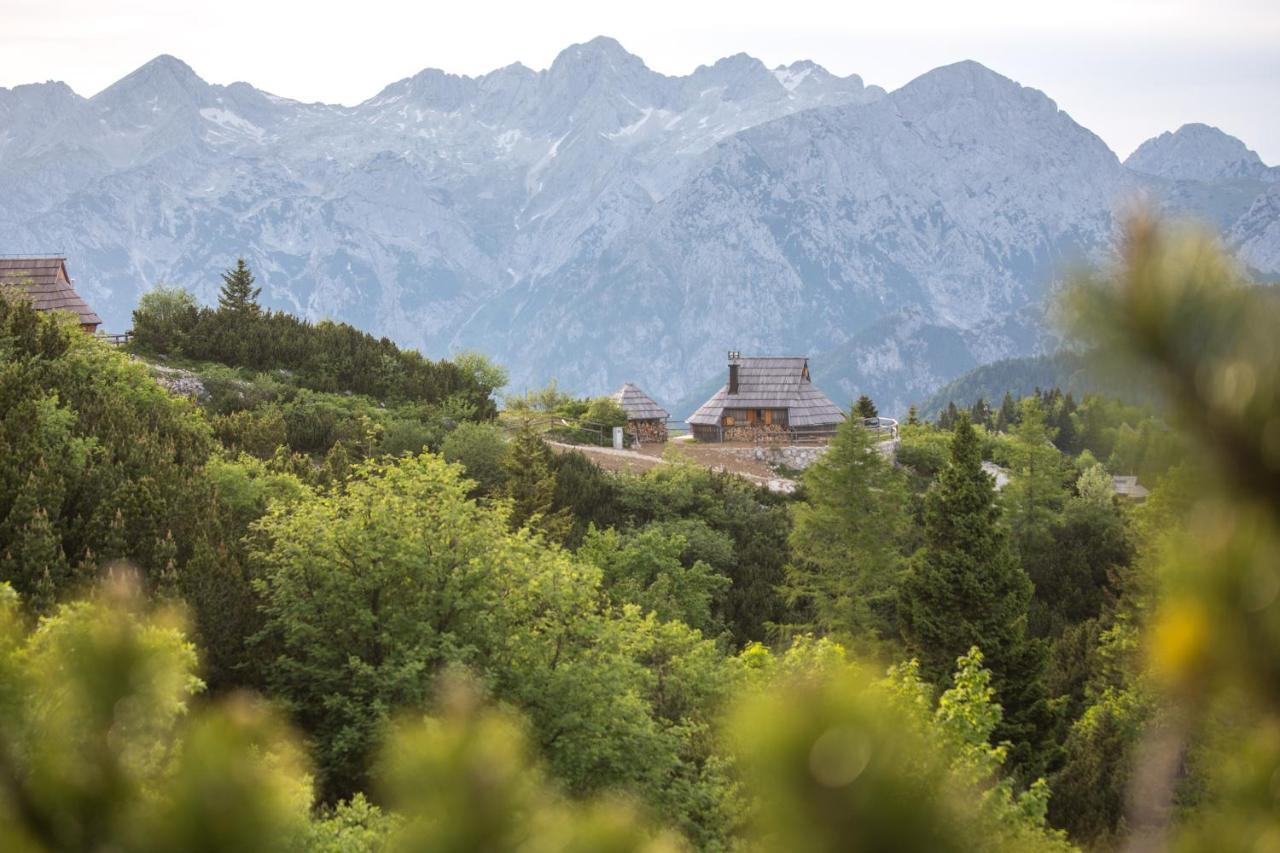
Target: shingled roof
638 405
45 284
773 383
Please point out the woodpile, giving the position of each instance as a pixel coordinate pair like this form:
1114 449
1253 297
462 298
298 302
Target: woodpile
757 432
648 431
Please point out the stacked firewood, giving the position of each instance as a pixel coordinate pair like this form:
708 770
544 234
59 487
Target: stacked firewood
756 432
648 432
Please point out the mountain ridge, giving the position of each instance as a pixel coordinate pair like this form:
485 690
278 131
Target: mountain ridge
600 222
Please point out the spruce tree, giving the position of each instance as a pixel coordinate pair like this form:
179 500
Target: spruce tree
531 487
913 417
947 420
1067 438
865 408
846 540
1008 414
965 588
238 295
980 413
1037 488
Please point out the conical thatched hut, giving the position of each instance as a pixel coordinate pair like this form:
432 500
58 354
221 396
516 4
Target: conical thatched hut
646 420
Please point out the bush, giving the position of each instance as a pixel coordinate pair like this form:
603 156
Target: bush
407 435
924 450
258 432
164 319
480 449
606 411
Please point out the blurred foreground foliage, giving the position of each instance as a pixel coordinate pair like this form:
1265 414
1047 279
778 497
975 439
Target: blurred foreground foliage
103 745
1183 316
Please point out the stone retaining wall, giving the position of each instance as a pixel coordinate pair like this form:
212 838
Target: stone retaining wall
796 458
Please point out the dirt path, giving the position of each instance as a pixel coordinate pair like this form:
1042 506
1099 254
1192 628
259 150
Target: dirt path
712 457
613 460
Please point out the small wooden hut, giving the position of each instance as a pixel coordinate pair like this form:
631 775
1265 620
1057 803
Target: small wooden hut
646 420
45 284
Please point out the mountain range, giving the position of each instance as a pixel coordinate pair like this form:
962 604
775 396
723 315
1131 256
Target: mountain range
599 222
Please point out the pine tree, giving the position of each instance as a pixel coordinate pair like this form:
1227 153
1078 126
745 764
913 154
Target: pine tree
166 556
531 487
966 589
44 598
913 417
34 561
865 408
238 295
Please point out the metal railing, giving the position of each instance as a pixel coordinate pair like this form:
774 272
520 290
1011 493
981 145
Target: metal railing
116 339
883 426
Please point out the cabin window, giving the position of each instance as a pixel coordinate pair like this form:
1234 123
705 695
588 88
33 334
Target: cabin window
727 420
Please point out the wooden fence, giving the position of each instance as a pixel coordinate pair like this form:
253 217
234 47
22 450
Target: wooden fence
116 340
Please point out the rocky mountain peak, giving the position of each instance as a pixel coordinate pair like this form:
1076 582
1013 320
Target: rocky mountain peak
1198 152
163 76
740 76
430 88
602 58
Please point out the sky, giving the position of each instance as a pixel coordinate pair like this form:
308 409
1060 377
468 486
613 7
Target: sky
1126 69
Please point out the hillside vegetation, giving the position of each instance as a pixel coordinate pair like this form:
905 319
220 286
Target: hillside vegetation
327 603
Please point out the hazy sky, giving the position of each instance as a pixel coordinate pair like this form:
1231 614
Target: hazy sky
1127 69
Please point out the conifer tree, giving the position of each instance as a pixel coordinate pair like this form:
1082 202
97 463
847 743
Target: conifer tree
865 408
238 295
966 589
1007 416
845 541
947 420
980 413
165 556
913 417
531 487
1037 489
1067 437
33 560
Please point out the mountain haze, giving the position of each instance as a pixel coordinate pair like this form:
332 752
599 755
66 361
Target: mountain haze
600 222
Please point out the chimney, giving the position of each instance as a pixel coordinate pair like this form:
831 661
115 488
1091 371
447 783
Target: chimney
733 372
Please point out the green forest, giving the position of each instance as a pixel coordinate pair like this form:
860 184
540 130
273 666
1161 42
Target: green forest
274 585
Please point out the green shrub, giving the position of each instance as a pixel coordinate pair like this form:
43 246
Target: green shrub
163 320
480 449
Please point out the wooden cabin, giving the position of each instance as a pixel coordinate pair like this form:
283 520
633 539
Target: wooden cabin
766 399
45 284
1127 486
646 420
